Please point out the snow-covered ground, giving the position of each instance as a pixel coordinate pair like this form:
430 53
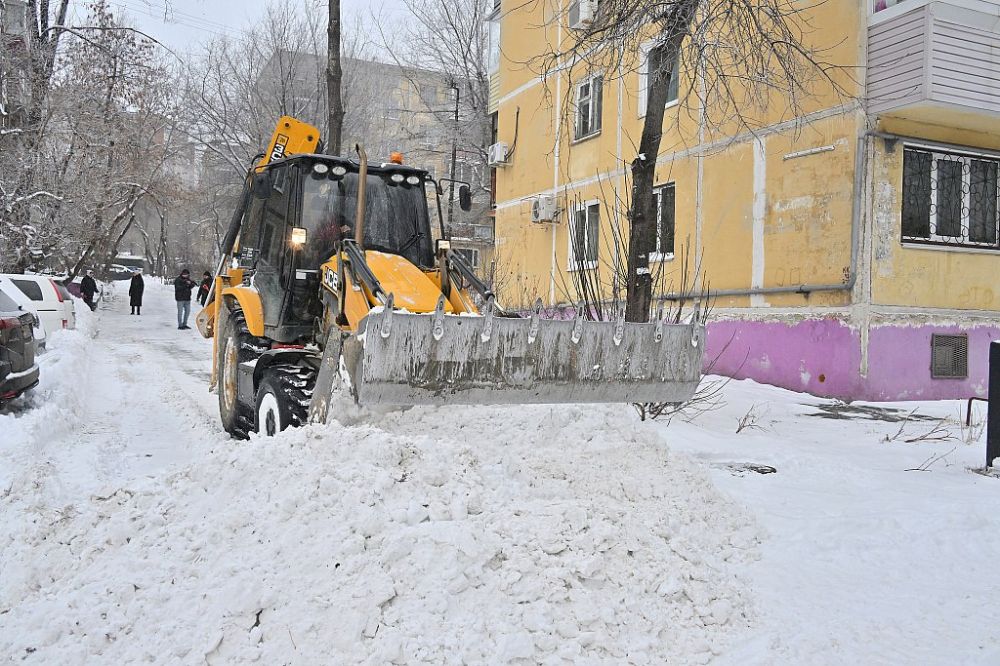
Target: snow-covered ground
132 530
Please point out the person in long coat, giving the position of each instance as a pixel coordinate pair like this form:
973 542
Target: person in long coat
88 289
135 293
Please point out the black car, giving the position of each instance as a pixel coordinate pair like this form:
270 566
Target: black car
18 371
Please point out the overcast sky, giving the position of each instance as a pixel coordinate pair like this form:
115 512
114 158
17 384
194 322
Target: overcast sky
189 22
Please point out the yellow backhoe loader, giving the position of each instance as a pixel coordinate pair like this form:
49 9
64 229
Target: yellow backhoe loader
328 286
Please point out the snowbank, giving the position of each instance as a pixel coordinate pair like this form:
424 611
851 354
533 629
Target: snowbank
464 535
53 406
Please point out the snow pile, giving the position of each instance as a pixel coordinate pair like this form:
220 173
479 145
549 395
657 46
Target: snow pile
461 535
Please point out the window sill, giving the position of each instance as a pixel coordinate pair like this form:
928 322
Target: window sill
582 266
665 106
585 138
659 257
947 247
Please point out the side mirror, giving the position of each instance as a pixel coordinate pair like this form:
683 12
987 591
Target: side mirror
261 186
464 198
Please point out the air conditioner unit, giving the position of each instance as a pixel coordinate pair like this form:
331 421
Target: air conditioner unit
581 13
497 154
543 209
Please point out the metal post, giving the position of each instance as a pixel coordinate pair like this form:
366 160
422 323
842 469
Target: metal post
454 155
993 409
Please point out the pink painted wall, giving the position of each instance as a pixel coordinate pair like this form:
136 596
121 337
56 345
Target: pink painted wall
823 357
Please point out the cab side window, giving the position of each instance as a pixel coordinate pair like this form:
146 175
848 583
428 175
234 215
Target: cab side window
273 230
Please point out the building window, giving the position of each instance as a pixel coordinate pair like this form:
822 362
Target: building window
652 61
431 140
471 255
950 198
949 356
665 209
469 173
588 107
493 46
12 18
583 235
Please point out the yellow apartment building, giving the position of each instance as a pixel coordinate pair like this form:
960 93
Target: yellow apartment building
850 250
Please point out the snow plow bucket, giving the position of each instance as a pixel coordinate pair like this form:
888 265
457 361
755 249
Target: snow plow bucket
408 359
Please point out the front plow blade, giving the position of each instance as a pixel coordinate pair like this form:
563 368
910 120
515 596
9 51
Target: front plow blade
409 359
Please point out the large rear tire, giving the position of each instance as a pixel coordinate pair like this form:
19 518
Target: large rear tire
236 346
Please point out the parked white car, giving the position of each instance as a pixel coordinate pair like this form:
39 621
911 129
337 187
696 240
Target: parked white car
42 296
68 303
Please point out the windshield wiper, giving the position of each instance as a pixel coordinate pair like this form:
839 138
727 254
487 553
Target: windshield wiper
413 239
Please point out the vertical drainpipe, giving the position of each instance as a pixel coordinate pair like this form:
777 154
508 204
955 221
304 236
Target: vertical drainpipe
618 146
759 215
557 110
699 184
862 232
699 187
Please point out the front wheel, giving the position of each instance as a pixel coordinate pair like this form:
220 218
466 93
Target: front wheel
283 398
274 412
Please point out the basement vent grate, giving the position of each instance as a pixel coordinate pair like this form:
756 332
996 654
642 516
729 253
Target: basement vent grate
949 356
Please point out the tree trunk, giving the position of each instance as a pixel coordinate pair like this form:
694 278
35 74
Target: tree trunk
111 254
334 75
642 217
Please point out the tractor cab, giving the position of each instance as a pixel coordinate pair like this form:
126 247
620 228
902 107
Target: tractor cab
302 207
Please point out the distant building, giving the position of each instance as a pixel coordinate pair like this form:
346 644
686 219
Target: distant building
389 108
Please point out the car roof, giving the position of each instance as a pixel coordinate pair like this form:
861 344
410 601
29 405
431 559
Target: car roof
15 292
26 276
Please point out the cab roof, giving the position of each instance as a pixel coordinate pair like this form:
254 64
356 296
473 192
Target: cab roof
349 164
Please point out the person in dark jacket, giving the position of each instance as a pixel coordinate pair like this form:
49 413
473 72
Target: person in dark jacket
204 288
88 287
135 290
183 286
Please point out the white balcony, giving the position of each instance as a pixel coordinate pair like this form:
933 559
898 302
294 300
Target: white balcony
935 61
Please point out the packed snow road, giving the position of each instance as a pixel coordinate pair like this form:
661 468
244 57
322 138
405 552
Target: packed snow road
123 397
133 530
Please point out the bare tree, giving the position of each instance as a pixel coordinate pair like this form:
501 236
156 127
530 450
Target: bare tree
738 57
444 43
334 76
26 71
92 140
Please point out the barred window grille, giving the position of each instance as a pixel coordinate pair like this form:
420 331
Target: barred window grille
950 199
949 356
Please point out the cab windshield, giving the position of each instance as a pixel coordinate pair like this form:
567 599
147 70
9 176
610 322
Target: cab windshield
396 219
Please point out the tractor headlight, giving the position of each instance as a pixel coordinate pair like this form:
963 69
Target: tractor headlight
298 236
320 169
413 180
339 171
397 178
